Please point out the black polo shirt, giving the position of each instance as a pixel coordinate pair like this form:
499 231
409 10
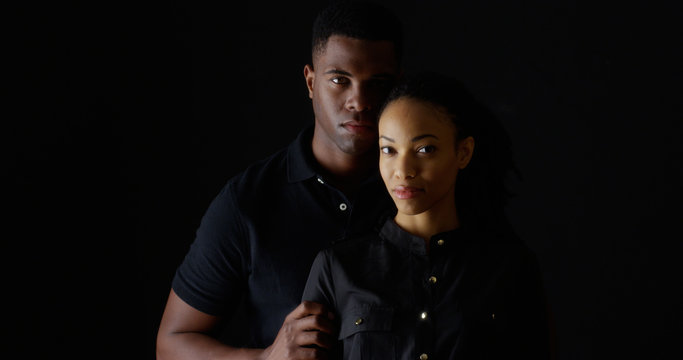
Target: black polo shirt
259 236
472 296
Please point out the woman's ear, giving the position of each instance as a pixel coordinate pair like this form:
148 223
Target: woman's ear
464 153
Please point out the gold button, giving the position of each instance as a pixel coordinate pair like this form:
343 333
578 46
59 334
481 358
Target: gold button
423 315
424 357
440 242
432 279
359 321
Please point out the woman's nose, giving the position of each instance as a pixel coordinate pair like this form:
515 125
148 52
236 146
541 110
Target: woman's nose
405 168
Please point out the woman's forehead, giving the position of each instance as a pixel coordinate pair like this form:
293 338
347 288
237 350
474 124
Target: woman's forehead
409 115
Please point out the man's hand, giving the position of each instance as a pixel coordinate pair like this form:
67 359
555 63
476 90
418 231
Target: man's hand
307 333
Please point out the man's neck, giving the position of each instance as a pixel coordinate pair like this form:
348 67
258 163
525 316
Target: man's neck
344 171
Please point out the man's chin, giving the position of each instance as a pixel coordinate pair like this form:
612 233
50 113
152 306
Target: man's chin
360 146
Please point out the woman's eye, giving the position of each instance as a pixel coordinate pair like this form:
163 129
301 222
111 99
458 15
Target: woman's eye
426 149
386 150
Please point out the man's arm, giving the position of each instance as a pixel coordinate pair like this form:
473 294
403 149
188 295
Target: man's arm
184 333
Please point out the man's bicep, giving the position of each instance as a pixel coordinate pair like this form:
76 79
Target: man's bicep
213 275
180 316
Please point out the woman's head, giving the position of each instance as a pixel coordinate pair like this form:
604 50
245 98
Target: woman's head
428 129
422 152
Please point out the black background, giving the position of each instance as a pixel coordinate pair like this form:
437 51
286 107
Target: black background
127 119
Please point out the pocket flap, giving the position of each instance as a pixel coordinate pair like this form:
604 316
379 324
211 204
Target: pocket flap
366 317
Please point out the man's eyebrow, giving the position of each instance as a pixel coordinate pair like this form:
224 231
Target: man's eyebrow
338 72
384 76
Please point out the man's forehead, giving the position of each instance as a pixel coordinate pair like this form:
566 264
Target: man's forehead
353 55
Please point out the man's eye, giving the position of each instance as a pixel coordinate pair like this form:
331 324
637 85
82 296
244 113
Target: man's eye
426 149
381 83
340 80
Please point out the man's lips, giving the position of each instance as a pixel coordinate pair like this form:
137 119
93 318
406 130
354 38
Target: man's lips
359 126
406 192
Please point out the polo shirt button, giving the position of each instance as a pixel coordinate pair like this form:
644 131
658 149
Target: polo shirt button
424 357
440 242
423 315
342 207
432 279
320 180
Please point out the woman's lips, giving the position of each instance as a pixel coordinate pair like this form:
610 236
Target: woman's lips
406 192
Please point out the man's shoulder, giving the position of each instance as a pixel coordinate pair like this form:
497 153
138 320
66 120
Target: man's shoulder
264 172
273 170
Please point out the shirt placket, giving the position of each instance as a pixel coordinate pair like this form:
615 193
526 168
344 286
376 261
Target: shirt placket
341 205
422 311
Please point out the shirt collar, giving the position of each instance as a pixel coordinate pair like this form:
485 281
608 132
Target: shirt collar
301 165
300 161
390 231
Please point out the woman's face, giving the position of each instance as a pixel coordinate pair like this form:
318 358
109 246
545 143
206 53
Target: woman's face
419 162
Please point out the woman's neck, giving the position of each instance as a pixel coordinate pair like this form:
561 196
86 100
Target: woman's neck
428 223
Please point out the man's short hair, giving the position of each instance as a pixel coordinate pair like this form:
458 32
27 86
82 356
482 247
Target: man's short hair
359 20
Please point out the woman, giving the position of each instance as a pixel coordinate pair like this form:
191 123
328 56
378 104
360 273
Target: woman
442 277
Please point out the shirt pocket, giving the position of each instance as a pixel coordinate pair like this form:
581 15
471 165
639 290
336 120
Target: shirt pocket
366 333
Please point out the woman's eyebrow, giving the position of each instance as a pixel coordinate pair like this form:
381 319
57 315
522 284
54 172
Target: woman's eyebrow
420 137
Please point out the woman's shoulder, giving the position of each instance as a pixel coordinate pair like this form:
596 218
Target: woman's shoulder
361 242
502 243
352 246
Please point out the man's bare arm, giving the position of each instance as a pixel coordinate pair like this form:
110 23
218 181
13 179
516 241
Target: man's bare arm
184 334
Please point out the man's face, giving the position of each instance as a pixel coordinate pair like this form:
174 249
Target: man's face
348 83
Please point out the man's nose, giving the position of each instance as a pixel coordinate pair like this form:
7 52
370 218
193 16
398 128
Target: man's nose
359 99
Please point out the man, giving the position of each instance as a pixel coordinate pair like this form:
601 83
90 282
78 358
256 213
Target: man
260 235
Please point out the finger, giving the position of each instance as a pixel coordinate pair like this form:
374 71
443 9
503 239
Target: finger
311 353
317 338
315 323
307 308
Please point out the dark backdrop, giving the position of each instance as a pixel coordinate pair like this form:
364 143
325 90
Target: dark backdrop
129 117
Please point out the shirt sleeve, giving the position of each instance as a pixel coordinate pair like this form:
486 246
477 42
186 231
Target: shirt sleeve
212 277
319 286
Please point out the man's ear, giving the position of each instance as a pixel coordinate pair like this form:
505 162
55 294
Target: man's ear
309 74
465 151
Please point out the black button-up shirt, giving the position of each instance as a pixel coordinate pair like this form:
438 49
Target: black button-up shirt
259 236
472 296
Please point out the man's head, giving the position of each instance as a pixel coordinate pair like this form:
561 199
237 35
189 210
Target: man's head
356 52
359 20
